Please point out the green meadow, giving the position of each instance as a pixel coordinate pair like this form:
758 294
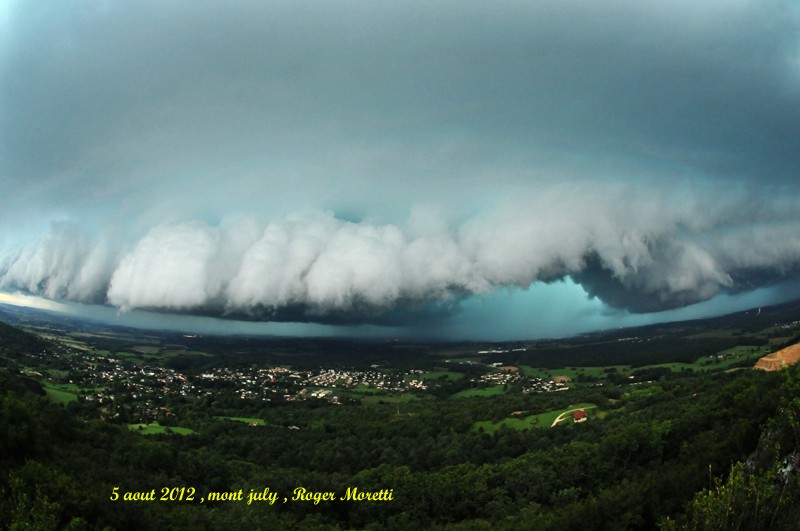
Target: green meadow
540 420
481 391
64 393
372 400
721 360
247 420
59 396
570 372
435 375
154 428
366 390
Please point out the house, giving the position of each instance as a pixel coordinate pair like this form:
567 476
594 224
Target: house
579 416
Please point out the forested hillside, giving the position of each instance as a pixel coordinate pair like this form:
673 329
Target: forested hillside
688 450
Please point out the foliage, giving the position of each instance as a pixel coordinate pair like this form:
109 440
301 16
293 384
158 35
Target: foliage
638 467
762 493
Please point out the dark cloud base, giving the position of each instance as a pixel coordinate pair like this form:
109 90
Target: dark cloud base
419 314
321 269
600 282
385 163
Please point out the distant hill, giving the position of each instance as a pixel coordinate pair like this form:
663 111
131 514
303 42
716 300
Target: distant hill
13 339
13 342
779 360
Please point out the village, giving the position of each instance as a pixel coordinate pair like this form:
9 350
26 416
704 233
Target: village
135 391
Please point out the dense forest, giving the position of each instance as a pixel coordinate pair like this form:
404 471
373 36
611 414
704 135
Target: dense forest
686 451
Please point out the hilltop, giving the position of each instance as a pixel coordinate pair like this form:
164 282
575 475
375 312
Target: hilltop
780 359
462 434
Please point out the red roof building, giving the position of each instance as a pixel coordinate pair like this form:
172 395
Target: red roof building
580 416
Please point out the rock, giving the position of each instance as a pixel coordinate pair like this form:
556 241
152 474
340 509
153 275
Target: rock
778 360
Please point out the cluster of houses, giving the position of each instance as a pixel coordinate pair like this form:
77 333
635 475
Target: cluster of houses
147 390
511 375
345 379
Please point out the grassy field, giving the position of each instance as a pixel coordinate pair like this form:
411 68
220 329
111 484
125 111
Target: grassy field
521 423
180 352
70 342
541 420
643 391
483 391
146 349
435 375
365 390
722 360
60 396
546 419
70 388
571 372
247 420
134 356
387 399
712 334
154 428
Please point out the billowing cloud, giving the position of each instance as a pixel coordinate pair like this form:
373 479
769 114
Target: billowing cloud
631 248
64 264
354 161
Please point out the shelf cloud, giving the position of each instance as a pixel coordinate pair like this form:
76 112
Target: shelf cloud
633 250
354 162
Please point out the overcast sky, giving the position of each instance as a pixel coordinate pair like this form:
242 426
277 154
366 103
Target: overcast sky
449 169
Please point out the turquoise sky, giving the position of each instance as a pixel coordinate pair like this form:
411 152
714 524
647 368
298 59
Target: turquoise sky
457 169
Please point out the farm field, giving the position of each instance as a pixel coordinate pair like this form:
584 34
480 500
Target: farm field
246 420
435 375
721 360
365 390
375 400
493 390
540 420
571 372
58 395
154 428
477 431
63 393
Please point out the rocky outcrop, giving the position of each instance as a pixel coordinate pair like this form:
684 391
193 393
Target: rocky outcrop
778 360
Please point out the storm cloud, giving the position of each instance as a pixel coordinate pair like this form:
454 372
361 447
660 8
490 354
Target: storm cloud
346 161
633 249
